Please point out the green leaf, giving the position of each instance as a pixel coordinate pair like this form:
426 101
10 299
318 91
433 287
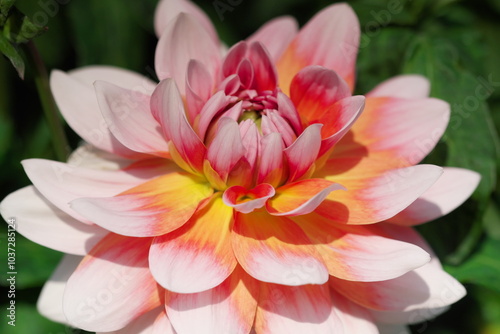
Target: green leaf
470 137
13 55
29 30
491 220
489 32
483 268
374 62
489 302
5 6
20 29
471 140
382 13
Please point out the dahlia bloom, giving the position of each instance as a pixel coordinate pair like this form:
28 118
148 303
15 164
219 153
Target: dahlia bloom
247 191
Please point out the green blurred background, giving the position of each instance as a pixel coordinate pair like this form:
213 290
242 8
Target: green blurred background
456 44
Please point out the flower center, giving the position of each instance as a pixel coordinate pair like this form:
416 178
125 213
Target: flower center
255 105
248 124
255 102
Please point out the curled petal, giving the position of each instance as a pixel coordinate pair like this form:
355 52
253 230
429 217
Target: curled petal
273 122
265 72
253 65
329 39
300 198
303 152
233 58
168 108
214 105
226 149
246 201
271 159
129 118
75 96
213 177
230 85
232 113
338 120
198 88
250 138
314 90
275 35
167 10
184 39
287 110
241 175
246 73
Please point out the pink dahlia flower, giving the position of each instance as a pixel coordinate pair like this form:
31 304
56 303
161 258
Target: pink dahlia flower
247 192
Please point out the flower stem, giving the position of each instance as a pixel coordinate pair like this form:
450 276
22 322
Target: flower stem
59 141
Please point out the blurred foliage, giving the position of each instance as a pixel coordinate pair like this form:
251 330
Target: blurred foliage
453 43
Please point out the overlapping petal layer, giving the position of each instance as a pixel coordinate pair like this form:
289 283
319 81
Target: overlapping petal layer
288 309
99 295
153 208
228 308
329 39
50 302
401 131
271 249
247 192
43 223
198 256
75 96
373 193
361 253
